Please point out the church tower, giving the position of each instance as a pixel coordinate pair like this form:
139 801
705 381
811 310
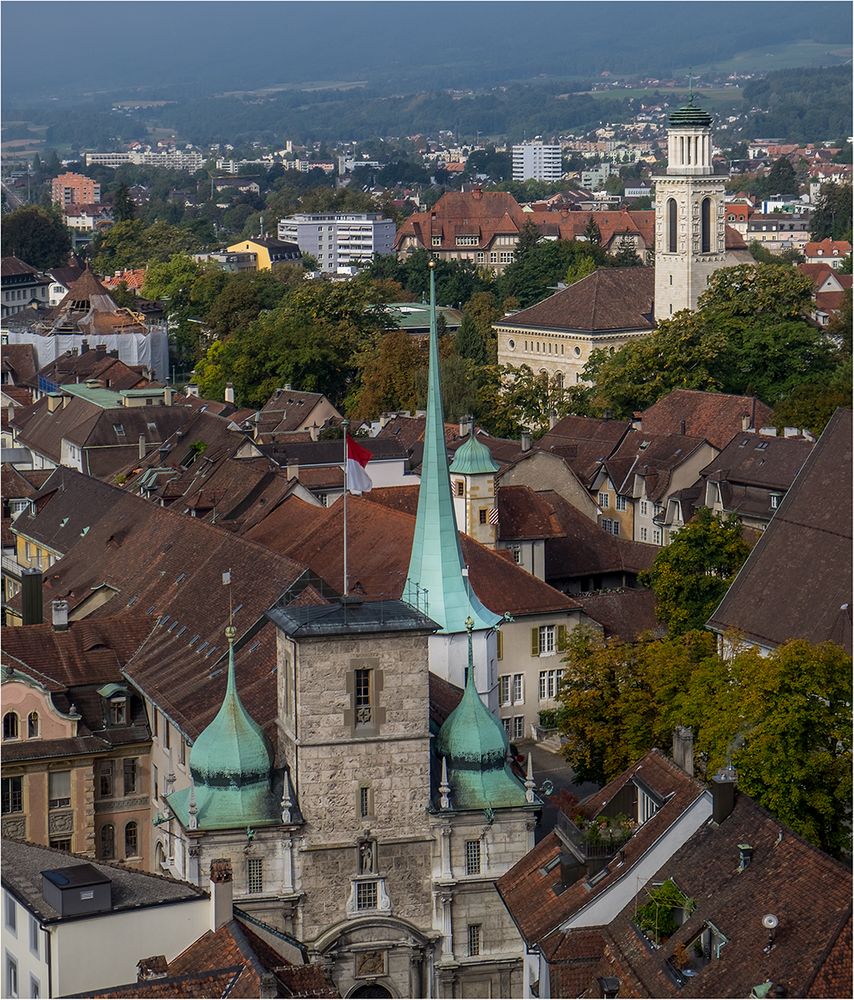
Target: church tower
689 214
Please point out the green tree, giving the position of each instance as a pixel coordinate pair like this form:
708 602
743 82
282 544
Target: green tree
782 178
482 310
591 232
134 244
36 236
691 574
832 216
580 268
538 272
468 342
784 721
388 370
529 237
124 208
626 255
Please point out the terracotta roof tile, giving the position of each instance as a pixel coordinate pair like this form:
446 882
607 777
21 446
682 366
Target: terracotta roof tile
524 514
623 614
715 416
770 462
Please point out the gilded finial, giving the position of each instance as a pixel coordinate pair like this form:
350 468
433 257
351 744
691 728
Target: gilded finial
469 624
431 263
230 633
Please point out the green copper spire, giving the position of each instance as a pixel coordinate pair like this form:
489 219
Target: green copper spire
473 458
230 766
436 563
474 746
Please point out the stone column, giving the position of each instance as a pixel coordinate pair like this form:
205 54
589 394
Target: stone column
447 868
288 865
446 902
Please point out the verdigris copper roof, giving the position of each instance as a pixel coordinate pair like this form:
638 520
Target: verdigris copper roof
436 561
474 745
231 765
690 116
473 459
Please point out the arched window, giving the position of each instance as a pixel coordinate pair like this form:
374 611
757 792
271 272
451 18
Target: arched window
706 226
107 842
131 840
671 225
32 725
10 726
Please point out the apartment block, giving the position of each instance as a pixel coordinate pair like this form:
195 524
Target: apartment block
537 161
74 189
339 240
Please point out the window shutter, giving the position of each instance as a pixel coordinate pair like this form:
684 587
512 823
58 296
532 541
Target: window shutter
500 644
561 637
535 641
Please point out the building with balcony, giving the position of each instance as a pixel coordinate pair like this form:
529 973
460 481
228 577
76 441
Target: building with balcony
536 161
339 240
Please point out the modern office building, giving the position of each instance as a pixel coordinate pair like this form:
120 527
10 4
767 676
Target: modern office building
339 241
536 161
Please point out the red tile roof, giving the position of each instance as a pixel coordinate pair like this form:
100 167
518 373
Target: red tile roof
828 248
379 544
524 514
715 416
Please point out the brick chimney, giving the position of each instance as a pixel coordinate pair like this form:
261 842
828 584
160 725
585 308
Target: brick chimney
155 967
59 614
222 893
723 793
526 441
683 748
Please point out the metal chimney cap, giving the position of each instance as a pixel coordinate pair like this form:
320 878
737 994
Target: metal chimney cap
770 922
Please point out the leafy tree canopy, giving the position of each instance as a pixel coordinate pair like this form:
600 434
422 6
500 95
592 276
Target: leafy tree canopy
832 216
134 244
691 574
783 720
36 236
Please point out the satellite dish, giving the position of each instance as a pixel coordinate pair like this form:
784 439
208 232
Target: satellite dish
770 922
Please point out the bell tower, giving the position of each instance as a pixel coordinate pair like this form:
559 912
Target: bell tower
689 214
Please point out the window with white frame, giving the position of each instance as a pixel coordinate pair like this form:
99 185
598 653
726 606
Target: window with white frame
366 895
255 875
35 988
474 939
34 936
647 806
472 857
506 724
517 553
437 241
467 241
11 976
775 501
644 508
644 535
518 689
518 727
59 789
549 682
620 503
504 689
547 640
10 913
656 536
604 500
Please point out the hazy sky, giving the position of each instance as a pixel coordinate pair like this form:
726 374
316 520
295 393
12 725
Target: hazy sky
71 46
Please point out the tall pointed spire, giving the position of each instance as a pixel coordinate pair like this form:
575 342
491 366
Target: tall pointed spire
436 563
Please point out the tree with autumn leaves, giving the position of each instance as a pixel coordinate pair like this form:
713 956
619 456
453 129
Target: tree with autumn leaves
783 720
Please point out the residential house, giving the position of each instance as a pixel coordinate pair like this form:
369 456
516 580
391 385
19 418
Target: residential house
96 367
237 956
62 278
289 411
59 907
779 231
243 185
796 583
603 311
17 487
76 745
751 475
269 252
832 252
18 365
737 922
21 286
829 288
643 472
339 241
715 416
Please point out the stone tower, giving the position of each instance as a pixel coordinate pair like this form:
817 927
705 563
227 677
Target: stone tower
473 483
689 214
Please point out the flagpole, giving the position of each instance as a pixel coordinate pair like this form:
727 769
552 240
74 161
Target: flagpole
345 424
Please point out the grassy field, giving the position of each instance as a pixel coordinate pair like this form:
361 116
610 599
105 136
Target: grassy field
789 56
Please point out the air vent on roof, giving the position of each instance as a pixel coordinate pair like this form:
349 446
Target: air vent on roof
133 600
194 640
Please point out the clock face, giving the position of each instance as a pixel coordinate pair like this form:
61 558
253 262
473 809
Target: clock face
370 963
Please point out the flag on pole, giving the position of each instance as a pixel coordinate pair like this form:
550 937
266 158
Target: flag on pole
358 481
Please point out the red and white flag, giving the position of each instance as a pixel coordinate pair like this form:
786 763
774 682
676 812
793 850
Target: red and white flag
358 481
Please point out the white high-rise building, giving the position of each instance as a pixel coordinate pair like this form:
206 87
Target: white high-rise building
339 240
536 161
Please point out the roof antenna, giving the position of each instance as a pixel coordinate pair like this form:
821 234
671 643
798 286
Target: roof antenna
226 582
691 86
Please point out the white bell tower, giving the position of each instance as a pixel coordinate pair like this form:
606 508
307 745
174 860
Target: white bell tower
689 214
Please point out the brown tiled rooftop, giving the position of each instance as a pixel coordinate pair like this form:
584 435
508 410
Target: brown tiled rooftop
715 416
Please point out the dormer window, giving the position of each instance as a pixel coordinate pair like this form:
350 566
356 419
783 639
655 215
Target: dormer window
119 711
10 726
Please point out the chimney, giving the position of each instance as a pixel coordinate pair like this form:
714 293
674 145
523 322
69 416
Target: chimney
31 597
192 389
314 432
682 427
221 893
723 793
59 613
745 422
269 987
84 346
100 351
167 396
466 423
229 393
141 447
683 748
552 419
526 441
